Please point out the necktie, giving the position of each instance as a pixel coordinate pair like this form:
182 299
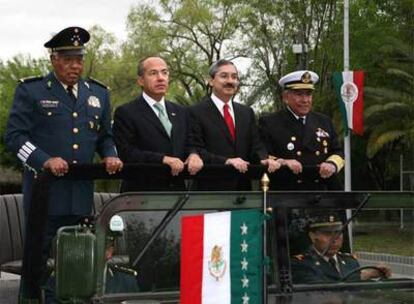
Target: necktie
163 117
229 121
301 120
333 264
70 93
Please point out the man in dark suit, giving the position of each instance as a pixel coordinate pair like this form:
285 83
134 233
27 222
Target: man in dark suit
225 132
324 262
60 119
151 129
303 141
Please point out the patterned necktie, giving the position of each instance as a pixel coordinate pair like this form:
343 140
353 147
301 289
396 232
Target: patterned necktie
229 121
163 117
70 93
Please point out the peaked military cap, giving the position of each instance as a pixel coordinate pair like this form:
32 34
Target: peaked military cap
299 80
69 41
326 223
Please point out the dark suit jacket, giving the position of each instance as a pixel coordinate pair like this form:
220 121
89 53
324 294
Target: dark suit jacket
141 138
310 144
211 138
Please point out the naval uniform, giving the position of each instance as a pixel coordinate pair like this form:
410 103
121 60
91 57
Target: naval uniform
45 122
311 267
310 143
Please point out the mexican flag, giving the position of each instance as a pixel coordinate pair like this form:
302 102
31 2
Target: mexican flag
221 258
349 88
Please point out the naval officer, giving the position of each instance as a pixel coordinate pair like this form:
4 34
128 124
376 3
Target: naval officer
61 119
299 137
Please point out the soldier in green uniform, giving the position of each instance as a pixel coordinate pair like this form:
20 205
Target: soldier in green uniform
324 262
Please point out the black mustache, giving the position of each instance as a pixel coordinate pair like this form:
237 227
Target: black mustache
230 85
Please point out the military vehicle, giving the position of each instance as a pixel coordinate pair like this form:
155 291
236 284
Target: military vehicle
144 228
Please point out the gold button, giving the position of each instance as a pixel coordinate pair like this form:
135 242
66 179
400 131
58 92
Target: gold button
317 153
299 181
49 113
75 146
75 114
299 153
293 138
75 130
74 161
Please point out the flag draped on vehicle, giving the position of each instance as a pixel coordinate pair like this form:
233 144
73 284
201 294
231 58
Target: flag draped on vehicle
221 258
349 88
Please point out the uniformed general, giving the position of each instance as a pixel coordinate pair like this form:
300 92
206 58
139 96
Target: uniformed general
324 262
303 141
60 119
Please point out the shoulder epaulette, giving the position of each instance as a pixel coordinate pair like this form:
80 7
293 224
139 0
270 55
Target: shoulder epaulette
98 83
30 79
299 257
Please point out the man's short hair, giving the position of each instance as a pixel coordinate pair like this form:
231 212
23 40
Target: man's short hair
216 65
140 67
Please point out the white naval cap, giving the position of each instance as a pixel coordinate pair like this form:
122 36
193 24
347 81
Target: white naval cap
299 80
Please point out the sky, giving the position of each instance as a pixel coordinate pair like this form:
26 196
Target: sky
25 25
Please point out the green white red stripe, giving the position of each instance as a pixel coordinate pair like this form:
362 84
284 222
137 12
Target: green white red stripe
350 94
221 258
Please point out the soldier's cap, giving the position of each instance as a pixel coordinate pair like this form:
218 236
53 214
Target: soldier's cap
69 41
325 223
299 80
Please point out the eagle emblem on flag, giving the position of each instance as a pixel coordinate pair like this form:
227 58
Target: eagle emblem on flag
217 265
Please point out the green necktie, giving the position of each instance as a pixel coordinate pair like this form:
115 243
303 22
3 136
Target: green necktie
162 115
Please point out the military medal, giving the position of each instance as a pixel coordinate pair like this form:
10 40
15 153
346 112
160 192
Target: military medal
93 101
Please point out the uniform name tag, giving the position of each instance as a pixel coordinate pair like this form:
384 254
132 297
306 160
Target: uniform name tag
48 104
93 101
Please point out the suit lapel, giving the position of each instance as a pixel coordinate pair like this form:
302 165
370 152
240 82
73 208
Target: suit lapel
218 120
239 124
175 121
150 115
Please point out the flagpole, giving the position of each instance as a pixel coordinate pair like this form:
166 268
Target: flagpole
265 187
347 138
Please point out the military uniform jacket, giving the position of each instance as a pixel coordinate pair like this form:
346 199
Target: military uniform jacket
141 138
45 122
311 144
211 137
313 268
